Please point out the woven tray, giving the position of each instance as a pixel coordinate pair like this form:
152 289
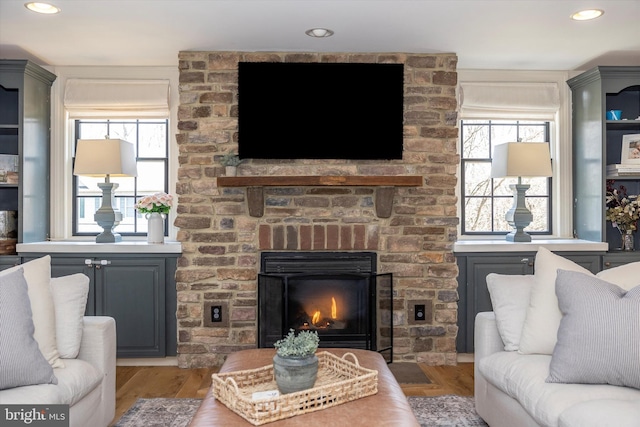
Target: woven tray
339 381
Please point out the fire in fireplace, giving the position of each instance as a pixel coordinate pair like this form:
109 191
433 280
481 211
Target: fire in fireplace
337 294
330 304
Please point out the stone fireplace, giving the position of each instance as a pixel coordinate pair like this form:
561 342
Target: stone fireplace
410 228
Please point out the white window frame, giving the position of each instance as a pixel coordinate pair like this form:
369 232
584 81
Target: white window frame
560 144
62 143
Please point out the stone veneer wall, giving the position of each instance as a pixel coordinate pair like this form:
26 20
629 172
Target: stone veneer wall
222 243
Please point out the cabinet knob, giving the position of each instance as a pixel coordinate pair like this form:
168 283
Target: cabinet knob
607 264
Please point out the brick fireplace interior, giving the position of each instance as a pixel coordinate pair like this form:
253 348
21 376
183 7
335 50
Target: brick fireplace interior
223 241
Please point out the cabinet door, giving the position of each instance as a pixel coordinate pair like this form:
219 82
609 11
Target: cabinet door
8 262
24 133
64 266
132 291
476 291
597 142
593 263
616 259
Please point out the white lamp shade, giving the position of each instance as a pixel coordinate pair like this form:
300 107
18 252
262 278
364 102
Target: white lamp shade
101 157
530 159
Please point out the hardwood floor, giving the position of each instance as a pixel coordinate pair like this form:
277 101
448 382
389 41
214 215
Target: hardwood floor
133 382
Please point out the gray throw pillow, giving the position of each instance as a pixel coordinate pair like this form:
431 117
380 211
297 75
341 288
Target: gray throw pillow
22 361
599 335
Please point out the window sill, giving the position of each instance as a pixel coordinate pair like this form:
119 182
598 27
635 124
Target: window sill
556 245
86 247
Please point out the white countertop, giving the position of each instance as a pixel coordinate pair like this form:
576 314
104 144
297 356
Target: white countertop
88 246
568 245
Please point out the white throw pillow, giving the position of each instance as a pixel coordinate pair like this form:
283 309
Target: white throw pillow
626 276
70 300
510 296
37 273
539 333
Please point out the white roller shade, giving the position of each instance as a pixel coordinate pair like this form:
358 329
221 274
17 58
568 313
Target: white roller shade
116 98
509 100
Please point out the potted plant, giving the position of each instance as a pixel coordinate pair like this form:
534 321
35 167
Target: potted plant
295 364
230 161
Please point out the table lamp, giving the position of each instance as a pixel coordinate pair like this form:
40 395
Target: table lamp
528 159
106 157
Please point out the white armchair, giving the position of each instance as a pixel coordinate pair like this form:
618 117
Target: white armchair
77 367
87 384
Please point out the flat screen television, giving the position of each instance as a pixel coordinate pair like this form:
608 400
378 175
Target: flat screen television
320 110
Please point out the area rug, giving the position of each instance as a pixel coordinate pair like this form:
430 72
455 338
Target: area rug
408 373
159 413
449 411
439 411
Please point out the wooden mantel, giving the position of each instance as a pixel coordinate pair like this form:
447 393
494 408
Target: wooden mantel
384 191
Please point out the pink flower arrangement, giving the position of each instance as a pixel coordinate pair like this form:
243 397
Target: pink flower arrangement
159 202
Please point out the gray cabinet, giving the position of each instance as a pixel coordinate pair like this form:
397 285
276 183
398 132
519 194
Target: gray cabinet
8 262
616 259
137 290
597 142
25 90
473 293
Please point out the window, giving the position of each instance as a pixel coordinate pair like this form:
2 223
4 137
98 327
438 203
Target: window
486 200
151 140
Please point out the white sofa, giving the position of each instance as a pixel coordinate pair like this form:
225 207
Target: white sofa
517 380
50 353
510 390
87 384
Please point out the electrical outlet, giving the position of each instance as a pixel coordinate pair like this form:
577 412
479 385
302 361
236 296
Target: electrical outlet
419 312
216 313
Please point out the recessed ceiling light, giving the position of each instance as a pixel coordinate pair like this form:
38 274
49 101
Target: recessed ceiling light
585 15
42 7
319 32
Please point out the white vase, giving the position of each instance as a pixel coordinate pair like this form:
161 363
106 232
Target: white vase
230 170
155 227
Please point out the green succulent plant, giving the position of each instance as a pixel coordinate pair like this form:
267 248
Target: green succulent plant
302 345
230 159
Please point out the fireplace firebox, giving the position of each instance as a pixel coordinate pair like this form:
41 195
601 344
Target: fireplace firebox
337 294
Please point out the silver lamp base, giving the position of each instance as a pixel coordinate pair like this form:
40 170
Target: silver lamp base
107 217
519 216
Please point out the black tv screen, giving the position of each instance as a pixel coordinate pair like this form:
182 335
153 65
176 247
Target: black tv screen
320 110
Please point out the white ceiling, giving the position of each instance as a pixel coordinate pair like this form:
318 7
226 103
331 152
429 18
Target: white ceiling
485 34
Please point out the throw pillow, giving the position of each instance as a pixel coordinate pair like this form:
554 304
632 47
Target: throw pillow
70 300
37 273
510 298
626 276
22 362
599 333
543 315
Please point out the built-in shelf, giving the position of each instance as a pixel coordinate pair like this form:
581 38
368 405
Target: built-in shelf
623 177
384 191
634 122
